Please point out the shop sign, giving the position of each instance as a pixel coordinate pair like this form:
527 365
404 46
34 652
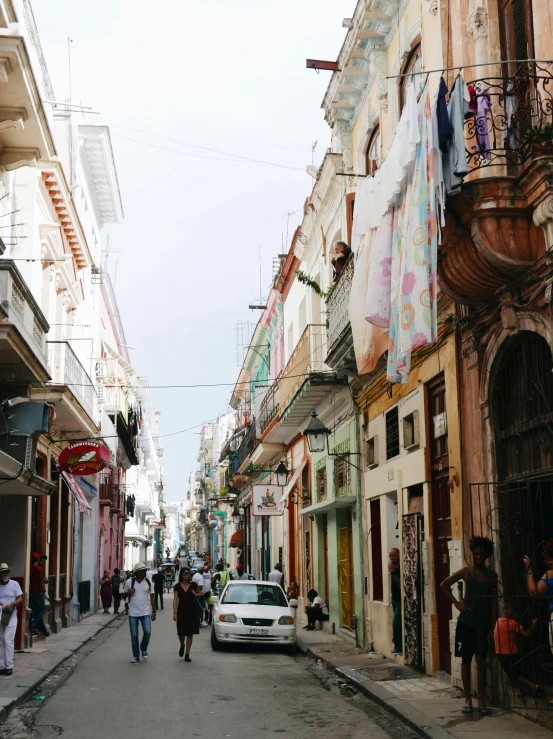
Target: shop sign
266 499
84 458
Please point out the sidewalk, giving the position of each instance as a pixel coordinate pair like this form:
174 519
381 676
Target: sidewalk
428 704
32 666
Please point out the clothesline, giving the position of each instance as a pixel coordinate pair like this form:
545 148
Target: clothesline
470 66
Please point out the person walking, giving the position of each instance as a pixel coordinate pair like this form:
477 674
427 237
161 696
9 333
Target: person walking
128 575
240 574
186 594
37 595
221 577
159 587
106 591
276 575
395 591
10 597
477 617
206 596
140 591
198 578
116 586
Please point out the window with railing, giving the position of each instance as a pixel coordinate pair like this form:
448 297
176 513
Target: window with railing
392 433
342 469
320 480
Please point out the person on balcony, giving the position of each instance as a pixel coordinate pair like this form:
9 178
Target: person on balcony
477 617
37 599
10 597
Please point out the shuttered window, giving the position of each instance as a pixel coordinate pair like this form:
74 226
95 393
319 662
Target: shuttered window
517 31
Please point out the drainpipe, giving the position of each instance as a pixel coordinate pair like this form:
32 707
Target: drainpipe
359 516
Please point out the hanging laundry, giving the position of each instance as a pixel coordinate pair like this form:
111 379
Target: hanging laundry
445 132
483 122
386 185
377 310
414 258
455 162
472 101
511 140
439 185
360 223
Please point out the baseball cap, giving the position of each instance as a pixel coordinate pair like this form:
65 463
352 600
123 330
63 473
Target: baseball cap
35 555
239 567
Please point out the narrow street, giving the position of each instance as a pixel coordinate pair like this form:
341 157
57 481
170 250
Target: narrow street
237 693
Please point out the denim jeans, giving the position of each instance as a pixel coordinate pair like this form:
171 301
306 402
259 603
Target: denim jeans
397 627
38 607
146 622
200 607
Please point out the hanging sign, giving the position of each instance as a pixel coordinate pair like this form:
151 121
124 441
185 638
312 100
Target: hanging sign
265 500
84 458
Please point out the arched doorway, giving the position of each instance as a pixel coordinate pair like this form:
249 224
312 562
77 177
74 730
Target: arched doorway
521 517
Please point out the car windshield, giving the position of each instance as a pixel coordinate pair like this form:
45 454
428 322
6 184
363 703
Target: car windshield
259 595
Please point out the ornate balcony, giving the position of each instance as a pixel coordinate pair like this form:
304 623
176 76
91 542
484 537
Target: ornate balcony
305 379
66 369
340 340
513 119
270 406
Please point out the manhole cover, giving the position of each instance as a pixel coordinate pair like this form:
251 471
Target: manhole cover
389 673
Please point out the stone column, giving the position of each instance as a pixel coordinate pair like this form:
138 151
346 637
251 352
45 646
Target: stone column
477 26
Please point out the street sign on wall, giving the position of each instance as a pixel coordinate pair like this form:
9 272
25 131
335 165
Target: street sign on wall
266 499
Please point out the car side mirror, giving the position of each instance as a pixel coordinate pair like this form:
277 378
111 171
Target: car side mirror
214 599
293 603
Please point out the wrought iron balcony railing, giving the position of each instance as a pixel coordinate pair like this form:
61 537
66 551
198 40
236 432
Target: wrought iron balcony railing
248 443
512 116
270 405
307 357
66 369
338 303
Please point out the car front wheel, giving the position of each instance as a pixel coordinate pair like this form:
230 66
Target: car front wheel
215 643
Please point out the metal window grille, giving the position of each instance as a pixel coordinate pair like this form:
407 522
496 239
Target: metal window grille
320 480
392 433
342 469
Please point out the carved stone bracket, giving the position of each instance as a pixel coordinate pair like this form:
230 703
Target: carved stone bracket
345 146
432 6
477 24
543 217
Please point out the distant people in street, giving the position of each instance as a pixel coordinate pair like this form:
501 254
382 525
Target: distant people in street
106 591
221 577
293 592
142 610
185 613
395 591
206 595
317 610
240 574
159 587
276 575
37 599
198 579
128 574
10 597
506 633
208 559
477 617
183 561
116 587
176 562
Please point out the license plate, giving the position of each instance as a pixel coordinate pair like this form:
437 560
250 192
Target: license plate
259 632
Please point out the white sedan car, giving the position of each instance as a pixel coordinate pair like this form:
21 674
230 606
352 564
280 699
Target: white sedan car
253 612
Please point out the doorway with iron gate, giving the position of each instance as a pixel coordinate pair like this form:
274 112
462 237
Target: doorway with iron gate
516 510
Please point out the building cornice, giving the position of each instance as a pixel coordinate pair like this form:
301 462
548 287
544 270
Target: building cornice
99 164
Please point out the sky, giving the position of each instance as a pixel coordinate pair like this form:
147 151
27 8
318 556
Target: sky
182 84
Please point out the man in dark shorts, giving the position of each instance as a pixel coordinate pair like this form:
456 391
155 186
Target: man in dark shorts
477 617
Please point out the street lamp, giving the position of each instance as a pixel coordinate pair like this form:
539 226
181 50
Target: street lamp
235 513
316 434
282 473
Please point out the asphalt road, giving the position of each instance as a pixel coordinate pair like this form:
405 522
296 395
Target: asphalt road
236 693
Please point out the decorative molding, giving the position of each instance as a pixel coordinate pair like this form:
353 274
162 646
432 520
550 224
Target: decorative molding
543 217
477 24
432 6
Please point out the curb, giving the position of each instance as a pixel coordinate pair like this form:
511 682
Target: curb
409 715
20 693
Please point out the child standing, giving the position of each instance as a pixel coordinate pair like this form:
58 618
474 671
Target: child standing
505 636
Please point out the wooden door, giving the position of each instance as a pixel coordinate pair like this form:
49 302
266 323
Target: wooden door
325 558
292 574
346 574
441 510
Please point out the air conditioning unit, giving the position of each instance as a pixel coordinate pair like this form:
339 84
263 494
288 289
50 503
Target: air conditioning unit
101 369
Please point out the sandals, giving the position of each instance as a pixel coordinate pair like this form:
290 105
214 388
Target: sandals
468 709
484 712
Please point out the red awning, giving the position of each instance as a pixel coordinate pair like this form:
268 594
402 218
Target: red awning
82 502
237 539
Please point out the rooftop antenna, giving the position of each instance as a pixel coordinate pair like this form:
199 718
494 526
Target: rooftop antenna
313 147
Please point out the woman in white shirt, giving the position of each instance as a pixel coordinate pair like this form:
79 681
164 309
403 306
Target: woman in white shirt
317 610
